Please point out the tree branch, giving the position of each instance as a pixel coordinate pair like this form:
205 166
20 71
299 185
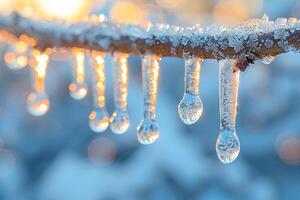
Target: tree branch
252 40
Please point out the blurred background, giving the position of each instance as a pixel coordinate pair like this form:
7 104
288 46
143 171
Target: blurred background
57 156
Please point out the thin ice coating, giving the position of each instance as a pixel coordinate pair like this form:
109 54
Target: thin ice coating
119 121
228 145
78 88
37 101
98 118
147 130
190 107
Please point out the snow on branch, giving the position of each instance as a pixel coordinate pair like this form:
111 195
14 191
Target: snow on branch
254 39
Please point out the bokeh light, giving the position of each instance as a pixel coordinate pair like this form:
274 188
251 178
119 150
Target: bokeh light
232 12
69 10
102 151
126 12
288 149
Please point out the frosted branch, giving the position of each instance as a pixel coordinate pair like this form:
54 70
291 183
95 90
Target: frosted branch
252 40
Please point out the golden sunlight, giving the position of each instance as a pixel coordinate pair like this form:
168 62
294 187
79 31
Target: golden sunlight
126 12
69 10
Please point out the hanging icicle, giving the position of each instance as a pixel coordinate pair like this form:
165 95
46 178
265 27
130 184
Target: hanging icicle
228 144
119 121
147 130
190 107
78 88
37 101
17 53
98 118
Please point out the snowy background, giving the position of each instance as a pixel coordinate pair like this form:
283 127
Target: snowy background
57 156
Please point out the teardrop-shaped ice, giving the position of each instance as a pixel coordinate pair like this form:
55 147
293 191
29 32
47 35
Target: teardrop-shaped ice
78 88
190 107
227 146
38 103
119 122
147 131
99 120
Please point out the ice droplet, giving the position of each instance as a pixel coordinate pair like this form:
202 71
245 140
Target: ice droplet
98 118
78 88
119 121
190 107
37 101
16 55
267 59
147 130
228 145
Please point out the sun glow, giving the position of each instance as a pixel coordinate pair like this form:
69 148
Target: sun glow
70 10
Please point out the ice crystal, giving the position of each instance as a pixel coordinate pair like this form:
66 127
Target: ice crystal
236 42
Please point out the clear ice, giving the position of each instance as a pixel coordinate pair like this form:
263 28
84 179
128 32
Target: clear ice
119 121
78 88
37 101
147 130
98 118
190 107
228 144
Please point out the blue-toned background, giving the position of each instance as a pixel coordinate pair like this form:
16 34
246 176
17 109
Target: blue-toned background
57 156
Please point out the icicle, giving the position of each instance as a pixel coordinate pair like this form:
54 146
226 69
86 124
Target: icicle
267 60
78 88
190 107
119 121
147 130
16 55
228 145
98 118
37 101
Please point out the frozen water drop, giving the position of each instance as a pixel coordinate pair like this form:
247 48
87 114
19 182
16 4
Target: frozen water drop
267 59
119 122
78 90
147 131
227 146
38 103
190 108
99 120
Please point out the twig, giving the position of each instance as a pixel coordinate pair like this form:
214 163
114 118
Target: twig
252 40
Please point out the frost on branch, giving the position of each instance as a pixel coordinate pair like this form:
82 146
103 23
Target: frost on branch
254 39
235 47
